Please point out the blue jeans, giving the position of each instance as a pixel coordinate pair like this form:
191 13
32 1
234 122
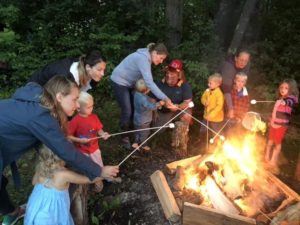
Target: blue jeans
141 136
124 97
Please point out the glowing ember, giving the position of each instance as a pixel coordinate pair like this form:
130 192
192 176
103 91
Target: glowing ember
235 167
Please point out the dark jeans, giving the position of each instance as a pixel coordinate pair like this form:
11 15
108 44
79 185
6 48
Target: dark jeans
141 136
162 118
6 205
124 97
216 126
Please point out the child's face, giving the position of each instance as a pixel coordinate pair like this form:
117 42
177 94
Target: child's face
239 83
87 108
213 84
284 89
69 103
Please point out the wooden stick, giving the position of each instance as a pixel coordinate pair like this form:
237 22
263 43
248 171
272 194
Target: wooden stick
165 196
221 137
152 136
170 125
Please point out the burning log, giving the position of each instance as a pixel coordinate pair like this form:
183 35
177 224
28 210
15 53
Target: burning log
218 199
165 196
187 195
201 215
179 181
171 167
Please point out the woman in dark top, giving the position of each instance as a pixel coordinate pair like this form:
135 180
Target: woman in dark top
37 115
85 70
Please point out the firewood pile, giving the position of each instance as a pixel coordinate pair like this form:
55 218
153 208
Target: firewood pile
216 198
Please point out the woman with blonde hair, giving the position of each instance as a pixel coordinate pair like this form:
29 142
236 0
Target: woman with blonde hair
35 115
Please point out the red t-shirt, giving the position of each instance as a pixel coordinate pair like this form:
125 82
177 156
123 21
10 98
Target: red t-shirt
85 127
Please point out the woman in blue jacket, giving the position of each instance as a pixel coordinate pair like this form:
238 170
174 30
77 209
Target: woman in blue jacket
85 70
134 67
35 115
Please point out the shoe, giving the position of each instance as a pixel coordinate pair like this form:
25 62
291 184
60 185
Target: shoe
12 219
146 148
135 145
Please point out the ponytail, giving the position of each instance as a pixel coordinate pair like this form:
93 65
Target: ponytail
160 48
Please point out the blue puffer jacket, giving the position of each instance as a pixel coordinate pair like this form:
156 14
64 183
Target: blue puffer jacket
24 123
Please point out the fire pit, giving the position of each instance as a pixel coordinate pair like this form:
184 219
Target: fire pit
229 186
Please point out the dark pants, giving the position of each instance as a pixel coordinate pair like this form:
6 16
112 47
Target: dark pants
124 97
141 136
162 118
6 205
216 126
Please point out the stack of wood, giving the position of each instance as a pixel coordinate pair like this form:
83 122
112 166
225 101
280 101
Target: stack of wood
222 209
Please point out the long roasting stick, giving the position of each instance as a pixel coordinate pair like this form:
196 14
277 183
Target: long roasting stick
222 137
191 104
253 101
170 125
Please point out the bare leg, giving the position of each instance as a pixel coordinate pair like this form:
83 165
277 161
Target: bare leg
268 150
275 155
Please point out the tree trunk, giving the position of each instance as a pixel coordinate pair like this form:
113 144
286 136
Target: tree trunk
297 172
174 13
79 199
242 25
225 20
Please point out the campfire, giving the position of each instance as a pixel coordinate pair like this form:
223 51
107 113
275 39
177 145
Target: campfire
231 182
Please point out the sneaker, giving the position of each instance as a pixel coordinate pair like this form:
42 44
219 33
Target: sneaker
135 145
12 219
146 148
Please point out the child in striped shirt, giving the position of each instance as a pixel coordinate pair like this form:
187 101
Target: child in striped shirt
288 96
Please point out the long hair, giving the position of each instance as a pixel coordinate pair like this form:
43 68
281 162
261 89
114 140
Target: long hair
92 58
48 162
160 48
57 84
293 88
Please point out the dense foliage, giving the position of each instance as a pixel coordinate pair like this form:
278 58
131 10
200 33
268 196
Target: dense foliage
34 33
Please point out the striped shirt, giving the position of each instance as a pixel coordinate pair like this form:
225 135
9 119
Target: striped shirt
282 110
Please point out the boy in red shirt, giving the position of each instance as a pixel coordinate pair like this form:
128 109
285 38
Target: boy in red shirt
83 129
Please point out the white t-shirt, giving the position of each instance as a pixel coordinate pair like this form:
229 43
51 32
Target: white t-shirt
74 71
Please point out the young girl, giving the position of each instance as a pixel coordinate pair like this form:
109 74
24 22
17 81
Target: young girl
281 115
143 108
49 202
37 115
83 129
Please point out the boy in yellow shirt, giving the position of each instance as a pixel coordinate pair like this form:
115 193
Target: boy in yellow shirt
213 101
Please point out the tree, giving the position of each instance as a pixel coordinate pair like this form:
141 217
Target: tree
242 25
174 15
